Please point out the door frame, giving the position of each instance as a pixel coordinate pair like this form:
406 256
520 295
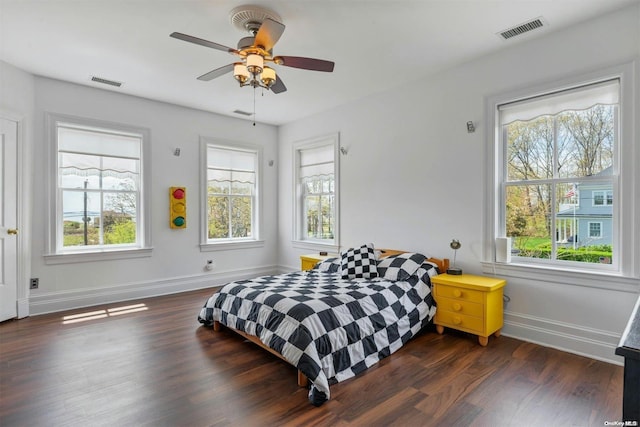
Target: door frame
23 214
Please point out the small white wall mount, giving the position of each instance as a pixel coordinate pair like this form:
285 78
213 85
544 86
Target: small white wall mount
471 128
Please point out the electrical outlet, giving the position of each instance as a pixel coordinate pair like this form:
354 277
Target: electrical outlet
33 283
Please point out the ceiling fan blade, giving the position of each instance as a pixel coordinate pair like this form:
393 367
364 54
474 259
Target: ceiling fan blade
278 86
216 73
269 34
305 63
203 42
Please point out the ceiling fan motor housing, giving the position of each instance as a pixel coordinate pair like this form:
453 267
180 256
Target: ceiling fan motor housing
249 18
246 42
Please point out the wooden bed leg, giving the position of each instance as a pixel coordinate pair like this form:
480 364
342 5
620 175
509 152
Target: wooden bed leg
216 326
302 379
439 329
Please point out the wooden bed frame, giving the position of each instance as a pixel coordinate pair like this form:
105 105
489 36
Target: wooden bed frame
442 263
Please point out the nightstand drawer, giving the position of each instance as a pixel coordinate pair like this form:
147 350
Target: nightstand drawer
459 321
459 293
308 263
460 306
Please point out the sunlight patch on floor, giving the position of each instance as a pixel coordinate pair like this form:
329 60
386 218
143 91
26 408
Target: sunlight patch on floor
101 314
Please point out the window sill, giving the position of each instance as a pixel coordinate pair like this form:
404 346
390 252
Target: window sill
224 246
103 255
315 246
591 279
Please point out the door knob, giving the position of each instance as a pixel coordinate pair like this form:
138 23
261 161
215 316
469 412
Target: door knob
12 231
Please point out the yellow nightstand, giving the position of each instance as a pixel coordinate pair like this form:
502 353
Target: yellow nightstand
307 262
469 303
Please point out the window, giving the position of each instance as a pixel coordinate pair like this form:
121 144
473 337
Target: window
595 230
602 198
316 180
98 187
559 149
231 193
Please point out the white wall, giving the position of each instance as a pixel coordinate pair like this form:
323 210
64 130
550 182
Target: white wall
413 177
176 263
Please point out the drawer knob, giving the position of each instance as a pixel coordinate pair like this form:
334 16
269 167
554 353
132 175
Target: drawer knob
457 307
457 320
457 293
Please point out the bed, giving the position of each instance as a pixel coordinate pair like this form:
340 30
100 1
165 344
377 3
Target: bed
333 321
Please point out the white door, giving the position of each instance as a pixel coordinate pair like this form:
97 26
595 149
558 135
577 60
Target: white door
8 219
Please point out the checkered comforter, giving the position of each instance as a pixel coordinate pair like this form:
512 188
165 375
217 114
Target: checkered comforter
328 327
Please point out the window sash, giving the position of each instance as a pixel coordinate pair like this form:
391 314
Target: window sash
602 198
318 193
316 188
103 167
595 229
231 175
508 113
317 182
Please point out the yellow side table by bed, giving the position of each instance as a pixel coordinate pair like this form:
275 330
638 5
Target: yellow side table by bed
469 303
307 262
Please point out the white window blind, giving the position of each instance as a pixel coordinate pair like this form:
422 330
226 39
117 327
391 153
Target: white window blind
227 165
316 161
580 98
97 142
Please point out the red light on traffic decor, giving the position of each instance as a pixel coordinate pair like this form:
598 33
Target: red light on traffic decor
178 193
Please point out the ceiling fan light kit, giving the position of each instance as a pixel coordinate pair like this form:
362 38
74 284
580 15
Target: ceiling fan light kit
241 73
255 63
265 29
268 77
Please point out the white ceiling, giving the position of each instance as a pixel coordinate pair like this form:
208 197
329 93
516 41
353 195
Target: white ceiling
376 45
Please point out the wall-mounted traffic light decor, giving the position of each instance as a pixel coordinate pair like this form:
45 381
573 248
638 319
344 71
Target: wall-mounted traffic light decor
177 207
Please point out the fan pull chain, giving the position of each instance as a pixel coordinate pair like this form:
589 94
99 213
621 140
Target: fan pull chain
254 106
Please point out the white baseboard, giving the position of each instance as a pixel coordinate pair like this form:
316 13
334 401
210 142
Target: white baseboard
67 300
593 343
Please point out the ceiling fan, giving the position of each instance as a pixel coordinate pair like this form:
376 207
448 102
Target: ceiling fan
255 51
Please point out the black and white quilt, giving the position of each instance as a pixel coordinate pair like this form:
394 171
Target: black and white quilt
330 328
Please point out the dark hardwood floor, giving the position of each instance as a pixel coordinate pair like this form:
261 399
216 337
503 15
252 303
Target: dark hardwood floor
153 364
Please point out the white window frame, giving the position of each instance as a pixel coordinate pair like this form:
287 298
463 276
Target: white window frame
299 240
55 253
206 244
556 180
605 198
600 224
627 241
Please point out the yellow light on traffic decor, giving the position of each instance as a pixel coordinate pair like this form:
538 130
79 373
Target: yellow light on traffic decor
177 207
